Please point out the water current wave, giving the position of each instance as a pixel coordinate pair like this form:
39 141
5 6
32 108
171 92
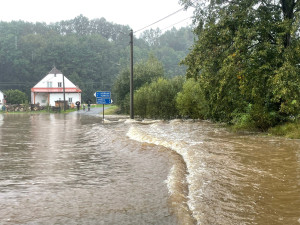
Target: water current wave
77 169
231 178
176 179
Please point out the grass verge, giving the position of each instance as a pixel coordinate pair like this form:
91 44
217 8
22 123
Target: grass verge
289 130
112 109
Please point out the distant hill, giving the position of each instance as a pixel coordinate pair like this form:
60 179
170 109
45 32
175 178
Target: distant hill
89 52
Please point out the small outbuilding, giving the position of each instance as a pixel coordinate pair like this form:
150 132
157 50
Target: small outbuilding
51 89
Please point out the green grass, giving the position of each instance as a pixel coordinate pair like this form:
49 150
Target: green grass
112 109
289 130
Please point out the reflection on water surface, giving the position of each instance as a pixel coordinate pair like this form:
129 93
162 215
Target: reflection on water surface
74 169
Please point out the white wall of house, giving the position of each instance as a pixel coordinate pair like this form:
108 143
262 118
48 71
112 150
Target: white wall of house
70 98
54 81
49 98
41 98
1 99
50 88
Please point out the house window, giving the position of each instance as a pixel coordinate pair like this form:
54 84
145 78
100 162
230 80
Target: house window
49 84
59 84
70 100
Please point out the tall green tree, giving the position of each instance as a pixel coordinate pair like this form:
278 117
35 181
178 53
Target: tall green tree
144 72
170 47
247 54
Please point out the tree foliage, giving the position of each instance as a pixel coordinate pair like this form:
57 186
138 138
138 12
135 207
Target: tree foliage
245 59
158 99
190 101
170 48
89 52
15 97
144 72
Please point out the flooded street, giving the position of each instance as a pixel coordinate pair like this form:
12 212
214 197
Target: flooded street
75 169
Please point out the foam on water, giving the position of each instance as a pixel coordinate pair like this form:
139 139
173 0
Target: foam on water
231 178
181 148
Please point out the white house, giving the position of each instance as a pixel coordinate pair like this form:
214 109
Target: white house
50 89
2 100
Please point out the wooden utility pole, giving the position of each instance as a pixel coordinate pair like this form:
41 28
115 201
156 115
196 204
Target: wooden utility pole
64 92
131 75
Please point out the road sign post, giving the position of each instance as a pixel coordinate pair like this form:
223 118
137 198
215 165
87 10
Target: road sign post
104 98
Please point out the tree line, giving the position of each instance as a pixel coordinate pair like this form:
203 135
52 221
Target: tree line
241 65
246 61
242 69
91 53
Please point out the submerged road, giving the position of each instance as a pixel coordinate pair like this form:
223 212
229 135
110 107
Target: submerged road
75 169
93 111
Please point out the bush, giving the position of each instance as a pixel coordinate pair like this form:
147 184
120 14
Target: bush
190 101
158 99
243 121
289 130
15 97
144 73
256 117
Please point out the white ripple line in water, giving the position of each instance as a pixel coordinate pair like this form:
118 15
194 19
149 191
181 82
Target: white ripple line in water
171 181
140 136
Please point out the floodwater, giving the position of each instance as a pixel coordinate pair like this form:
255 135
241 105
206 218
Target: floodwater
75 169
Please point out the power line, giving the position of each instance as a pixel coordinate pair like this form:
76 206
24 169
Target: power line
163 18
159 20
176 23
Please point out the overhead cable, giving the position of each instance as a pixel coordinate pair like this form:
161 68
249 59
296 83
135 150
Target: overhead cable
159 20
162 18
176 23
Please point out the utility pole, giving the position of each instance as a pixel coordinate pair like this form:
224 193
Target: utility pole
64 92
131 75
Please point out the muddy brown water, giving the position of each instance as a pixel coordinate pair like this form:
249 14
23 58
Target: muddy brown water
75 169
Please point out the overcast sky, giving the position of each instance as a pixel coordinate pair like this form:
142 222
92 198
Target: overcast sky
135 13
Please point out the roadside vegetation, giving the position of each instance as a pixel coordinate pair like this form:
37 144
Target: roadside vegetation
111 110
158 97
243 70
16 96
289 130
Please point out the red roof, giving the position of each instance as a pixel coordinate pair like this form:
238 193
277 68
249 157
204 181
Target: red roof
55 90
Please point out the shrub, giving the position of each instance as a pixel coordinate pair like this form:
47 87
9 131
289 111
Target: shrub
16 97
158 99
190 101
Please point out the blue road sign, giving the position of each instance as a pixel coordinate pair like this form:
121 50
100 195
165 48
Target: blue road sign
104 101
103 97
103 94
